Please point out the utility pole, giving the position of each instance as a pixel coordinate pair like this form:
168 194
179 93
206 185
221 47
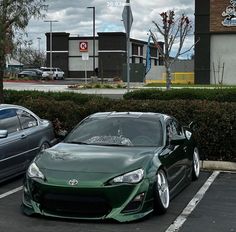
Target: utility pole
93 8
127 20
39 38
50 21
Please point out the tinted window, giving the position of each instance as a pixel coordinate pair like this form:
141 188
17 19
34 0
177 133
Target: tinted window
118 130
9 120
173 128
26 119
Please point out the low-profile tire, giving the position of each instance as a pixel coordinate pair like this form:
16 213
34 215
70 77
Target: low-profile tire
195 164
161 193
44 146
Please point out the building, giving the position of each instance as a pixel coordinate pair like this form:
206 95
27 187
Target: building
74 55
215 53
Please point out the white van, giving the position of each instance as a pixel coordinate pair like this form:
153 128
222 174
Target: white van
54 73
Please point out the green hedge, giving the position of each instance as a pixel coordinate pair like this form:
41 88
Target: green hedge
221 95
215 134
14 96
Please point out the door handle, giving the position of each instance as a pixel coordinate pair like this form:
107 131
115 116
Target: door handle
23 136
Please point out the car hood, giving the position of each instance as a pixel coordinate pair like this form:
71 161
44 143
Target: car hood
94 159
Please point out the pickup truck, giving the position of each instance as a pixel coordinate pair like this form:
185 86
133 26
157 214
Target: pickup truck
52 73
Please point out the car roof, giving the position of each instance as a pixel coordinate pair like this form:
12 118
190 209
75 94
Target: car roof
9 106
130 114
5 106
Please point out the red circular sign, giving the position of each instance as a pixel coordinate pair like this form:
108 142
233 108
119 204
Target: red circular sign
83 46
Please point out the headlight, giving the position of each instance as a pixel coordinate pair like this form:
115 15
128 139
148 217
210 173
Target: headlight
34 172
131 177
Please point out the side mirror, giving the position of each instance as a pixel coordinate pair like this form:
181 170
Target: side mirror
3 134
177 140
193 126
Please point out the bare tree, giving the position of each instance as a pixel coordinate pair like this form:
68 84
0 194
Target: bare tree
173 31
29 56
15 16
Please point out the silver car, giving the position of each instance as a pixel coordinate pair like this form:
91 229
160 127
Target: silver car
22 135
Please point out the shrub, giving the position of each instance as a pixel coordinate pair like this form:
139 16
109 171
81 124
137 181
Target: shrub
13 96
221 95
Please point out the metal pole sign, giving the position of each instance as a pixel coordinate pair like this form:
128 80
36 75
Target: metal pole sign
127 17
85 58
127 20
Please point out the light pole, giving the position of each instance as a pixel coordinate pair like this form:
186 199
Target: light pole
38 38
50 21
93 8
127 20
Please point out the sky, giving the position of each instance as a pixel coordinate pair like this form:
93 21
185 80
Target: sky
73 17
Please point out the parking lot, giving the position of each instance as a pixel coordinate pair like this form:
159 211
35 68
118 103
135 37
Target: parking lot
215 211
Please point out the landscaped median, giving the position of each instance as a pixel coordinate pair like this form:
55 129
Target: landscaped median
215 120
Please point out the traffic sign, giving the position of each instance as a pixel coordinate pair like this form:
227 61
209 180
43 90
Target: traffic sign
83 46
127 17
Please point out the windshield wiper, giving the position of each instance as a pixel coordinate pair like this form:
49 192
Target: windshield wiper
110 144
76 142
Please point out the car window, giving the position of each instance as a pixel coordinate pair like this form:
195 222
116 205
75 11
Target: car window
119 131
26 119
173 128
9 120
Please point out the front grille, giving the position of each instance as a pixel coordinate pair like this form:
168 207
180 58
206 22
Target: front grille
75 205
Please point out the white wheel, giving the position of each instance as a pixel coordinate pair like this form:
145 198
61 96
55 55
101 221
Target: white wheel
162 195
196 164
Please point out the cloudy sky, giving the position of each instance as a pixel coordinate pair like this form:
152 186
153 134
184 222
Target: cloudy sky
74 17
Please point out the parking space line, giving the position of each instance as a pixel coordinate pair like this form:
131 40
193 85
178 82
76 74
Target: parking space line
177 224
11 192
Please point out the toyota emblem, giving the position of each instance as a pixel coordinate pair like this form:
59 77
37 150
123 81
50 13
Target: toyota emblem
73 182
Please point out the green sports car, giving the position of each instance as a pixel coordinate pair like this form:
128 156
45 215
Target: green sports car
113 165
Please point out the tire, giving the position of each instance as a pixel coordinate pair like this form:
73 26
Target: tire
161 193
195 164
44 146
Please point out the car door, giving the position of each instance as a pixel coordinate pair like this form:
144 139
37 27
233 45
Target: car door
174 156
34 133
12 147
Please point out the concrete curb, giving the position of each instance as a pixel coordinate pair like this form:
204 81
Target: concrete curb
218 165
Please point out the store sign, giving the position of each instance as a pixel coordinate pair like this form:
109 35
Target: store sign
83 46
230 15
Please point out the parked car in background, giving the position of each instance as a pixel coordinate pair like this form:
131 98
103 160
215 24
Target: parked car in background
53 73
113 165
22 135
35 74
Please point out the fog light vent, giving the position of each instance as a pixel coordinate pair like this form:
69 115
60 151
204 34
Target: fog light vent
135 204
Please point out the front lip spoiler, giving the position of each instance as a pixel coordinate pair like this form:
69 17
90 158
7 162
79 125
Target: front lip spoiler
29 211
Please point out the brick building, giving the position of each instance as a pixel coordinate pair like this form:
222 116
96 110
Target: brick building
215 53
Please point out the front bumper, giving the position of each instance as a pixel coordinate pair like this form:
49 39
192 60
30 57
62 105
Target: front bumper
124 202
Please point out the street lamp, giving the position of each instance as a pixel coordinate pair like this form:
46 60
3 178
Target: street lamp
50 21
93 8
38 38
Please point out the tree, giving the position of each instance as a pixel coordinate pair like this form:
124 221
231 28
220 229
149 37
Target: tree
28 56
14 17
173 32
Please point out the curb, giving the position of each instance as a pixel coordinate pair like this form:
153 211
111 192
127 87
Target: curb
218 165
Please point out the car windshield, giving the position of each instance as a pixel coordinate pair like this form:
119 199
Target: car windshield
118 131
